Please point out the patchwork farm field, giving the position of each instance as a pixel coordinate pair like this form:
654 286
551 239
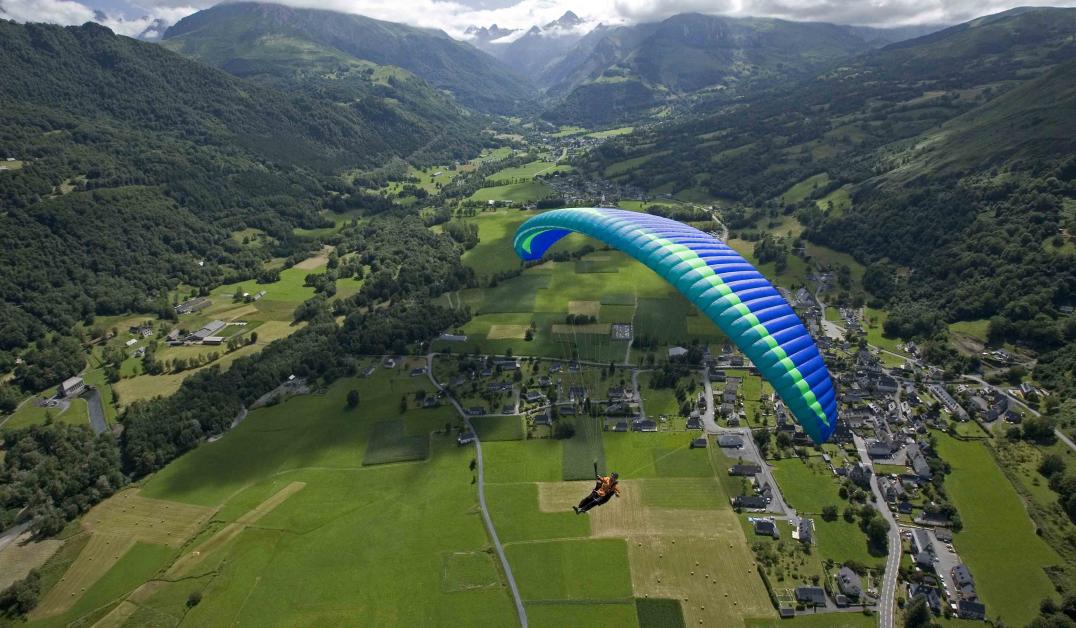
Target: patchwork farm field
297 470
653 550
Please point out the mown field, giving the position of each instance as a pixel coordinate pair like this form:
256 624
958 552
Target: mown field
644 556
345 543
994 517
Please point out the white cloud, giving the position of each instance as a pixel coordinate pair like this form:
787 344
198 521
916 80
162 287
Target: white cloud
454 16
54 11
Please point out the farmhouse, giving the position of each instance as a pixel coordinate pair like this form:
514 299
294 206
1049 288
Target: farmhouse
72 387
849 583
745 470
767 527
811 596
644 425
730 441
750 502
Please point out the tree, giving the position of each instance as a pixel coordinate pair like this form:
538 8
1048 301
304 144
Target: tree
194 599
21 597
829 513
878 534
1051 464
918 615
784 440
352 398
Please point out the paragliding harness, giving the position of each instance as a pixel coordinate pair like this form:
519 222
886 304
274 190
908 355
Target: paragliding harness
605 488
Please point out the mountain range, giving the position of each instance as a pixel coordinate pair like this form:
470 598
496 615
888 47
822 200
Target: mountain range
237 35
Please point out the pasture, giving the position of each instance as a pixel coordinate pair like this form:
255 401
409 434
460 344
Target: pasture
345 515
527 171
991 509
672 514
514 192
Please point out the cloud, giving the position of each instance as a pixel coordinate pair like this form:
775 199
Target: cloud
70 12
454 16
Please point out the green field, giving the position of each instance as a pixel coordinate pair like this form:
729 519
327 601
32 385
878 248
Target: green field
514 192
801 190
527 171
411 526
807 486
992 510
624 130
29 413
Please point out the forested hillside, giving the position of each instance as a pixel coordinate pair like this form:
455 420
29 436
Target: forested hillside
953 150
136 166
241 37
637 67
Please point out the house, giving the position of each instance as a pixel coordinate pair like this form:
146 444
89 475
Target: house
507 364
566 409
717 376
805 531
767 527
577 393
543 419
971 609
730 441
892 489
921 541
861 474
677 352
962 578
620 426
928 592
388 363
453 338
694 423
431 402
466 438
811 596
918 462
213 340
750 502
698 443
368 371
619 409
533 396
475 411
644 425
729 397
905 508
880 448
545 381
945 535
745 470
849 583
72 387
173 335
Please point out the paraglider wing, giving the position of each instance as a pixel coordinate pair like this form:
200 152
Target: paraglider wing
723 285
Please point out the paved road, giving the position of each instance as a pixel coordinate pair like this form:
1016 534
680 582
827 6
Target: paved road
1060 435
888 594
12 533
521 612
638 393
709 420
97 411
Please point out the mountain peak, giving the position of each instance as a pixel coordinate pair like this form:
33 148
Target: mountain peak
568 20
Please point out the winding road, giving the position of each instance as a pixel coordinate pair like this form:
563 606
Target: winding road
888 594
520 610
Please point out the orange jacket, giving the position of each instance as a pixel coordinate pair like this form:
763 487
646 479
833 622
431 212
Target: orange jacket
608 484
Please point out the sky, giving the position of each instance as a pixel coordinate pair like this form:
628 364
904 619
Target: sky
130 17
